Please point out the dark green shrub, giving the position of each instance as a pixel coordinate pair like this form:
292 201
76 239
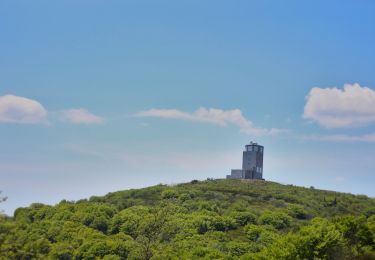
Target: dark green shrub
297 211
277 219
243 217
169 194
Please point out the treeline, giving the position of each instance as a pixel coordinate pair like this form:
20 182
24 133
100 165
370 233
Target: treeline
213 219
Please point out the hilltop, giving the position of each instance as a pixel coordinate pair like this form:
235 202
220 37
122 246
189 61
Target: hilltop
212 219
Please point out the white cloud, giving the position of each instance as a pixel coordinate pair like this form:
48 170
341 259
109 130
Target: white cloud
81 116
14 109
348 107
341 138
212 116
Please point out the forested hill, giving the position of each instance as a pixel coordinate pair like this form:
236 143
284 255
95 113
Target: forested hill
213 219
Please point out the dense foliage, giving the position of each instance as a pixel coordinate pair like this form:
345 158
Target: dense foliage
213 219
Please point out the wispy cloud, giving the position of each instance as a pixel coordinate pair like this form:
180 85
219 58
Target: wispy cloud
351 106
81 116
341 138
212 116
15 109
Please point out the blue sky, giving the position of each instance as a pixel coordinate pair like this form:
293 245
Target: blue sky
99 96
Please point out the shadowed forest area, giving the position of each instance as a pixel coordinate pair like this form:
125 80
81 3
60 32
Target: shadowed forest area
212 219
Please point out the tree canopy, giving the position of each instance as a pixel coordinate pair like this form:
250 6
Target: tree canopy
212 219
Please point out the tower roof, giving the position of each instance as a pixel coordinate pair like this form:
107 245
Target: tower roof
253 144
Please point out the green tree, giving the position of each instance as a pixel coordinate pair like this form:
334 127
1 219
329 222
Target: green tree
297 211
277 219
214 219
262 235
2 199
243 217
169 194
356 232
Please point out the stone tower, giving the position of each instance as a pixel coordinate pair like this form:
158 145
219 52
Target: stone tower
252 163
